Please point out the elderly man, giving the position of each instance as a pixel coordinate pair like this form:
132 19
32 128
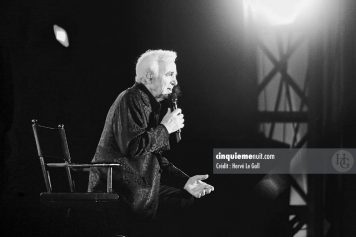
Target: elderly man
134 137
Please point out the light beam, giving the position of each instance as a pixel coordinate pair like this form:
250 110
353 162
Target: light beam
278 12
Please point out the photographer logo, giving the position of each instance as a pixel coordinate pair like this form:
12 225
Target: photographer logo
342 161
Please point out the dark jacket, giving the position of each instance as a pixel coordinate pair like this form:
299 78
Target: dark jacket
134 137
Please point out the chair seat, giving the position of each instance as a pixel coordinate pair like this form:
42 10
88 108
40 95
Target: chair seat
79 199
80 196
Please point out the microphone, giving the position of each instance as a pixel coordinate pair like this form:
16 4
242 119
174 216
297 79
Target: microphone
174 98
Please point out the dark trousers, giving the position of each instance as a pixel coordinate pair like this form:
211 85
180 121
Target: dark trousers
180 214
174 207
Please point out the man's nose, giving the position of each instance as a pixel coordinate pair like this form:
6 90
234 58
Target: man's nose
174 82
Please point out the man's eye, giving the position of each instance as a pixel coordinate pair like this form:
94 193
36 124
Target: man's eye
170 74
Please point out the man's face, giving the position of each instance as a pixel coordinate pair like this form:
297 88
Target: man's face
162 85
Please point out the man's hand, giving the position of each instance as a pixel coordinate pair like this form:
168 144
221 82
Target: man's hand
173 121
196 187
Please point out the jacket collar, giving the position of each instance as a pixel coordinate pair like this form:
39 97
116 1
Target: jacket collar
148 97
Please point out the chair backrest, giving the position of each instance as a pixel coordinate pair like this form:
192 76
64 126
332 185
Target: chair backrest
53 151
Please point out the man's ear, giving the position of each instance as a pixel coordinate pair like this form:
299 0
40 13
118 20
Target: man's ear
148 78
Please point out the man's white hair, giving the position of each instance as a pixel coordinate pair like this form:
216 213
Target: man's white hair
149 61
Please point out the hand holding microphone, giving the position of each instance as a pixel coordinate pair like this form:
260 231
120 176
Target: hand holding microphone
173 120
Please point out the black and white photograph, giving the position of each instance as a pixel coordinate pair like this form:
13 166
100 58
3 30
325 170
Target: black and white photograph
178 118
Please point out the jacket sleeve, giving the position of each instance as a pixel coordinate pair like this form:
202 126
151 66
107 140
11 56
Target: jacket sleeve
132 129
173 175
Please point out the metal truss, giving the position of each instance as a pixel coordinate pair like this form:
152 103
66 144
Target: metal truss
280 57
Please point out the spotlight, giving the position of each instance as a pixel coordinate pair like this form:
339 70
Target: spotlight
278 12
61 35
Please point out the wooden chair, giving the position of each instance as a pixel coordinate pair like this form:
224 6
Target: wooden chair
53 153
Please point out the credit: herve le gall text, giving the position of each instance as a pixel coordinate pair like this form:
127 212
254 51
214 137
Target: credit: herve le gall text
243 165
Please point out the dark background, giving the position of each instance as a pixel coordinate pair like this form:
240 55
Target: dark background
76 86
